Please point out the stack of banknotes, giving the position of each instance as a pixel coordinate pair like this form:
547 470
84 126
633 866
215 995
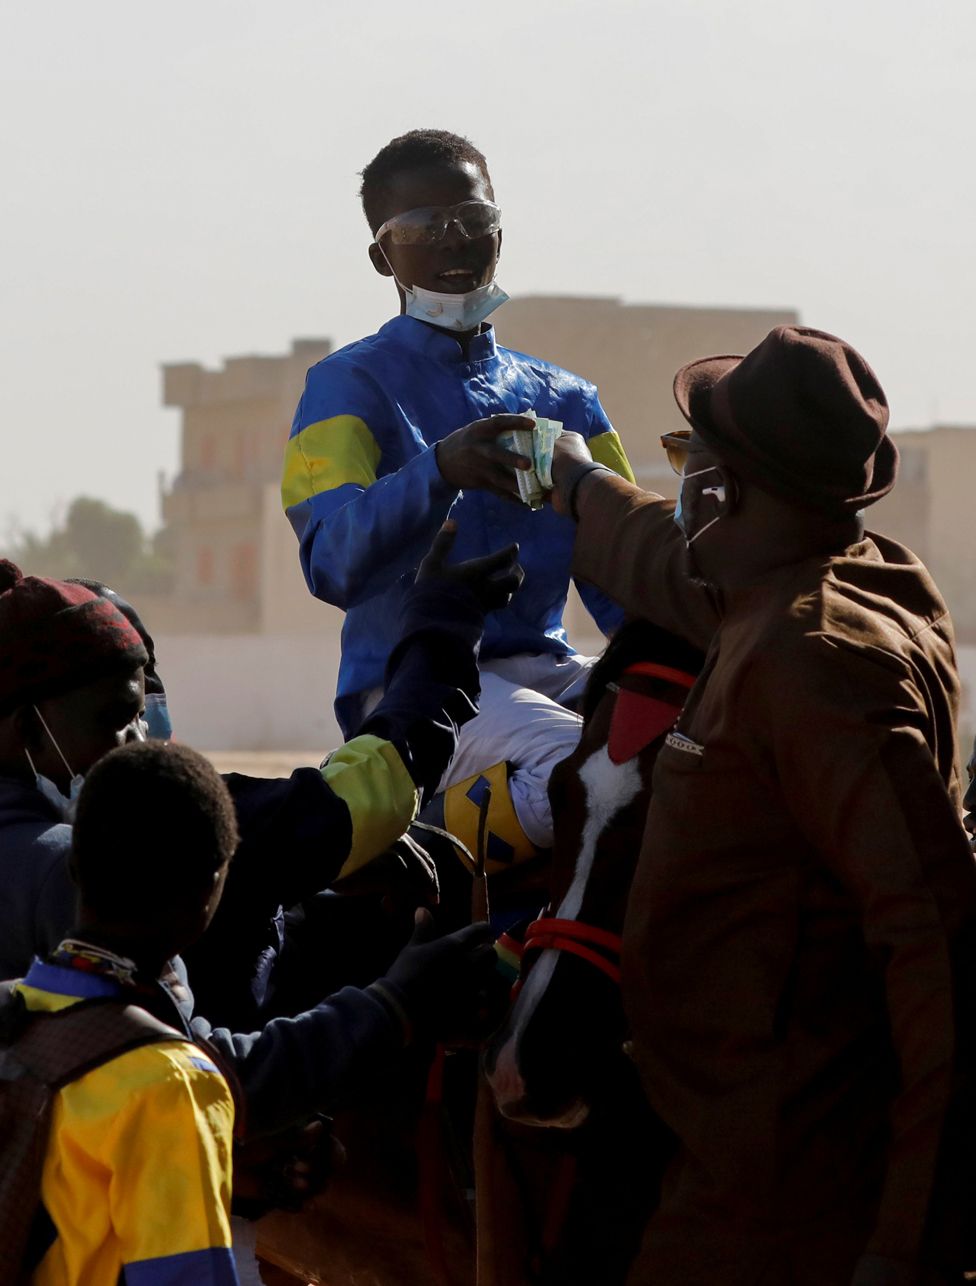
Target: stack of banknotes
535 443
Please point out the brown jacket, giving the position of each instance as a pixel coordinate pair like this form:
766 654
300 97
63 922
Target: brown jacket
799 942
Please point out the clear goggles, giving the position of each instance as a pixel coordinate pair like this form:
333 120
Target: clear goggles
676 446
428 224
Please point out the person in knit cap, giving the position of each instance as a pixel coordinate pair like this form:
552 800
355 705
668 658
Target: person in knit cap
798 962
71 690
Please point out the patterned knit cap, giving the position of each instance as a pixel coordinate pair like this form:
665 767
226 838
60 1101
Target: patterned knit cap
56 636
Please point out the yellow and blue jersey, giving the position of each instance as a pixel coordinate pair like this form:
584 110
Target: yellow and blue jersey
363 492
136 1182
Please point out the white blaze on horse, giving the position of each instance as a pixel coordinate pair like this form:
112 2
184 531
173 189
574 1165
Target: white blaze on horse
568 1021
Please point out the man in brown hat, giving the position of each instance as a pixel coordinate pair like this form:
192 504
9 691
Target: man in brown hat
799 948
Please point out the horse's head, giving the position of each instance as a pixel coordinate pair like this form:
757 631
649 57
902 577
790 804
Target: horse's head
567 1024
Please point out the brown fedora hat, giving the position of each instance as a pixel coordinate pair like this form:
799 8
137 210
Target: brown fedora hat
802 416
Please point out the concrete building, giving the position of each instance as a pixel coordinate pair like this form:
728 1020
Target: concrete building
931 510
236 560
250 657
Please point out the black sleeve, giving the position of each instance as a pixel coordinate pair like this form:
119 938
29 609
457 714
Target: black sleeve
432 684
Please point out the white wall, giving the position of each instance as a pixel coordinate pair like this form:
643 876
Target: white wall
252 691
275 692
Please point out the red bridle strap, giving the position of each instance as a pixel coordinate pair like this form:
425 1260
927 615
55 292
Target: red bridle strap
584 941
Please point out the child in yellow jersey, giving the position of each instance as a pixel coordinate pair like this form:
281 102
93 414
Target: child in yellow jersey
137 1176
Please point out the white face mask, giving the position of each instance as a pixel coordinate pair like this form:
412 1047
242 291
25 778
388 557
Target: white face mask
65 805
679 517
454 312
450 312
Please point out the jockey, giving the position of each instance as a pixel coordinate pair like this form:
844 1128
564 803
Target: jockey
398 430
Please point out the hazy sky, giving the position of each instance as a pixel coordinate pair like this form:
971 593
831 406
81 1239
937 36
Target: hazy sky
179 183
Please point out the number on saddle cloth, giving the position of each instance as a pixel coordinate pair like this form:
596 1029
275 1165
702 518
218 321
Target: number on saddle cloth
40 1053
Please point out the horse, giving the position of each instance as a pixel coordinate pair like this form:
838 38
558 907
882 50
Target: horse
558 1060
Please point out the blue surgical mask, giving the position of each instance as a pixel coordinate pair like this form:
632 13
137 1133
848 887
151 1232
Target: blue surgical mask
158 724
64 805
679 517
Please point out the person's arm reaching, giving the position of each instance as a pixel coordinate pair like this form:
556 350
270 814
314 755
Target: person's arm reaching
432 677
322 822
605 448
628 546
299 834
323 1058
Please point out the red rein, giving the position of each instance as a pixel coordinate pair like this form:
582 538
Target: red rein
597 947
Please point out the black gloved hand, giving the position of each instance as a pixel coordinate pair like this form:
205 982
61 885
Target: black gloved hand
282 1171
492 579
442 982
405 872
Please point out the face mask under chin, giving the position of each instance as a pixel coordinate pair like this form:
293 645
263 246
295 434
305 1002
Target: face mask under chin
681 519
450 312
453 312
64 805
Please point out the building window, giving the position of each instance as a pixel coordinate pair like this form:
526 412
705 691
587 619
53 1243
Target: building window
244 573
205 566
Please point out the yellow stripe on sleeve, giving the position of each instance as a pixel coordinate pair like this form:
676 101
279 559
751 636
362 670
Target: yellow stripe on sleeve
606 449
326 455
371 778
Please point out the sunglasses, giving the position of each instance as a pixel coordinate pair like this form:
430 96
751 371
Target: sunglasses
676 449
428 224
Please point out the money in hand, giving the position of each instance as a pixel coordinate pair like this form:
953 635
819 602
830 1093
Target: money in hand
537 444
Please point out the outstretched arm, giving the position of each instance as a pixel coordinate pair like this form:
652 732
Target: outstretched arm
324 1057
628 546
301 833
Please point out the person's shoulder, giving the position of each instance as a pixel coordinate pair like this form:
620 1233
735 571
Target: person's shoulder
557 377
814 646
168 1070
34 849
352 358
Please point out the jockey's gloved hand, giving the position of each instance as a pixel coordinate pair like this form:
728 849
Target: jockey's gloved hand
441 982
282 1171
492 579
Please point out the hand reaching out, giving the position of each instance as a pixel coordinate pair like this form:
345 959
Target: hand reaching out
493 579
